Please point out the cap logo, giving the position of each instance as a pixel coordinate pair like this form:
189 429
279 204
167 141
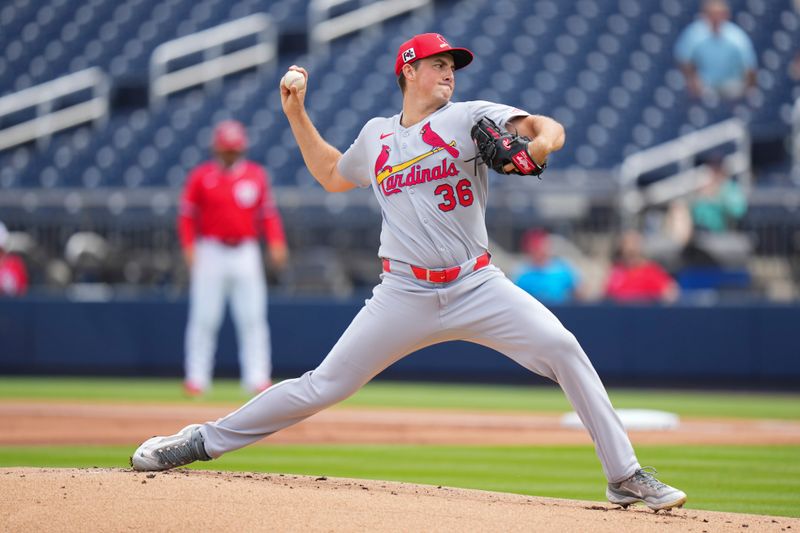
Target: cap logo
408 55
443 41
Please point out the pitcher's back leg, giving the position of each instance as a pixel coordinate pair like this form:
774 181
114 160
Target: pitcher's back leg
391 325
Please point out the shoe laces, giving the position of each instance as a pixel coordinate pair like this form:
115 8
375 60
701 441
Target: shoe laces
182 453
646 476
176 455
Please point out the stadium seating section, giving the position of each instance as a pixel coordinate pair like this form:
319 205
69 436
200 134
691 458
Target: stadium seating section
604 68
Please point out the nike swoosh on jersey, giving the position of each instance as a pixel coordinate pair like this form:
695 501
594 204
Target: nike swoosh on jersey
384 135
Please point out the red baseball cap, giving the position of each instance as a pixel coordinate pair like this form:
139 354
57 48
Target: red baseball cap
535 239
428 44
230 136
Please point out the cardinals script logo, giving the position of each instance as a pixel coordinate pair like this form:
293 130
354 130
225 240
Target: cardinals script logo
392 178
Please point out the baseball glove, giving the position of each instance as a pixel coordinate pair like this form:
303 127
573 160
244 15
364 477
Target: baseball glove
497 148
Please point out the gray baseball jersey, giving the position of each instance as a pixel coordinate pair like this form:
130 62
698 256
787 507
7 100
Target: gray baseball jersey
433 204
432 201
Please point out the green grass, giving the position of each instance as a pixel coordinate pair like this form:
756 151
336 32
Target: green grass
746 479
418 395
752 479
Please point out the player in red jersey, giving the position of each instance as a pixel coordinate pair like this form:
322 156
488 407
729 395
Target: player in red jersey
225 205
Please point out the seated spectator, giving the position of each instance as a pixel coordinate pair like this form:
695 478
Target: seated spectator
716 55
13 274
720 203
715 210
549 279
634 278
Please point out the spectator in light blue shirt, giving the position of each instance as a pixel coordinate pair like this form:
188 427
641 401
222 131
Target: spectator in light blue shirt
715 54
551 280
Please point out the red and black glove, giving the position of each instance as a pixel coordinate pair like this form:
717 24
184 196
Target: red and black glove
497 148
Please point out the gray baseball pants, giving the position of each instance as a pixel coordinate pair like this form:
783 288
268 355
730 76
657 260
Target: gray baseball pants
405 315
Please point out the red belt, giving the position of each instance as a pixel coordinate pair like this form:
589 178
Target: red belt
441 276
231 242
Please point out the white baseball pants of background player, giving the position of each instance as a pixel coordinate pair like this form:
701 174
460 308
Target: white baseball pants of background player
233 273
405 315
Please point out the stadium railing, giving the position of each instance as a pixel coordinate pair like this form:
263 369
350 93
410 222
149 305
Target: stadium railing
682 155
217 61
322 28
50 115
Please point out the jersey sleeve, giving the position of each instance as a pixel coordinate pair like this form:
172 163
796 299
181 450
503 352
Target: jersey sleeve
614 281
188 208
661 279
499 113
745 46
13 276
22 276
353 165
686 43
273 225
571 274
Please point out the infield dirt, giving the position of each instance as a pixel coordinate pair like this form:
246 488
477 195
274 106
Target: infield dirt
81 500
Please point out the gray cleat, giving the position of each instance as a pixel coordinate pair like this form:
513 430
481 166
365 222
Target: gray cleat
642 486
163 453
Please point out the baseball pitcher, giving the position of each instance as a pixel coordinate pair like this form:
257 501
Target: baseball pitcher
427 167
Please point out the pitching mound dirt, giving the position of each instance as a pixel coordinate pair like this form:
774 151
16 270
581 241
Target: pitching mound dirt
120 500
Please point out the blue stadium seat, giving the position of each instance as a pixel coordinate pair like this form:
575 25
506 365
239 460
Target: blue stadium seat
603 67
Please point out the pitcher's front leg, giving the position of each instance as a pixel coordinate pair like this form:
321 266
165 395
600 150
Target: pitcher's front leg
527 332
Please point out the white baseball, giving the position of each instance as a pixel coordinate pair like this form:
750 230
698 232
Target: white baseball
295 78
